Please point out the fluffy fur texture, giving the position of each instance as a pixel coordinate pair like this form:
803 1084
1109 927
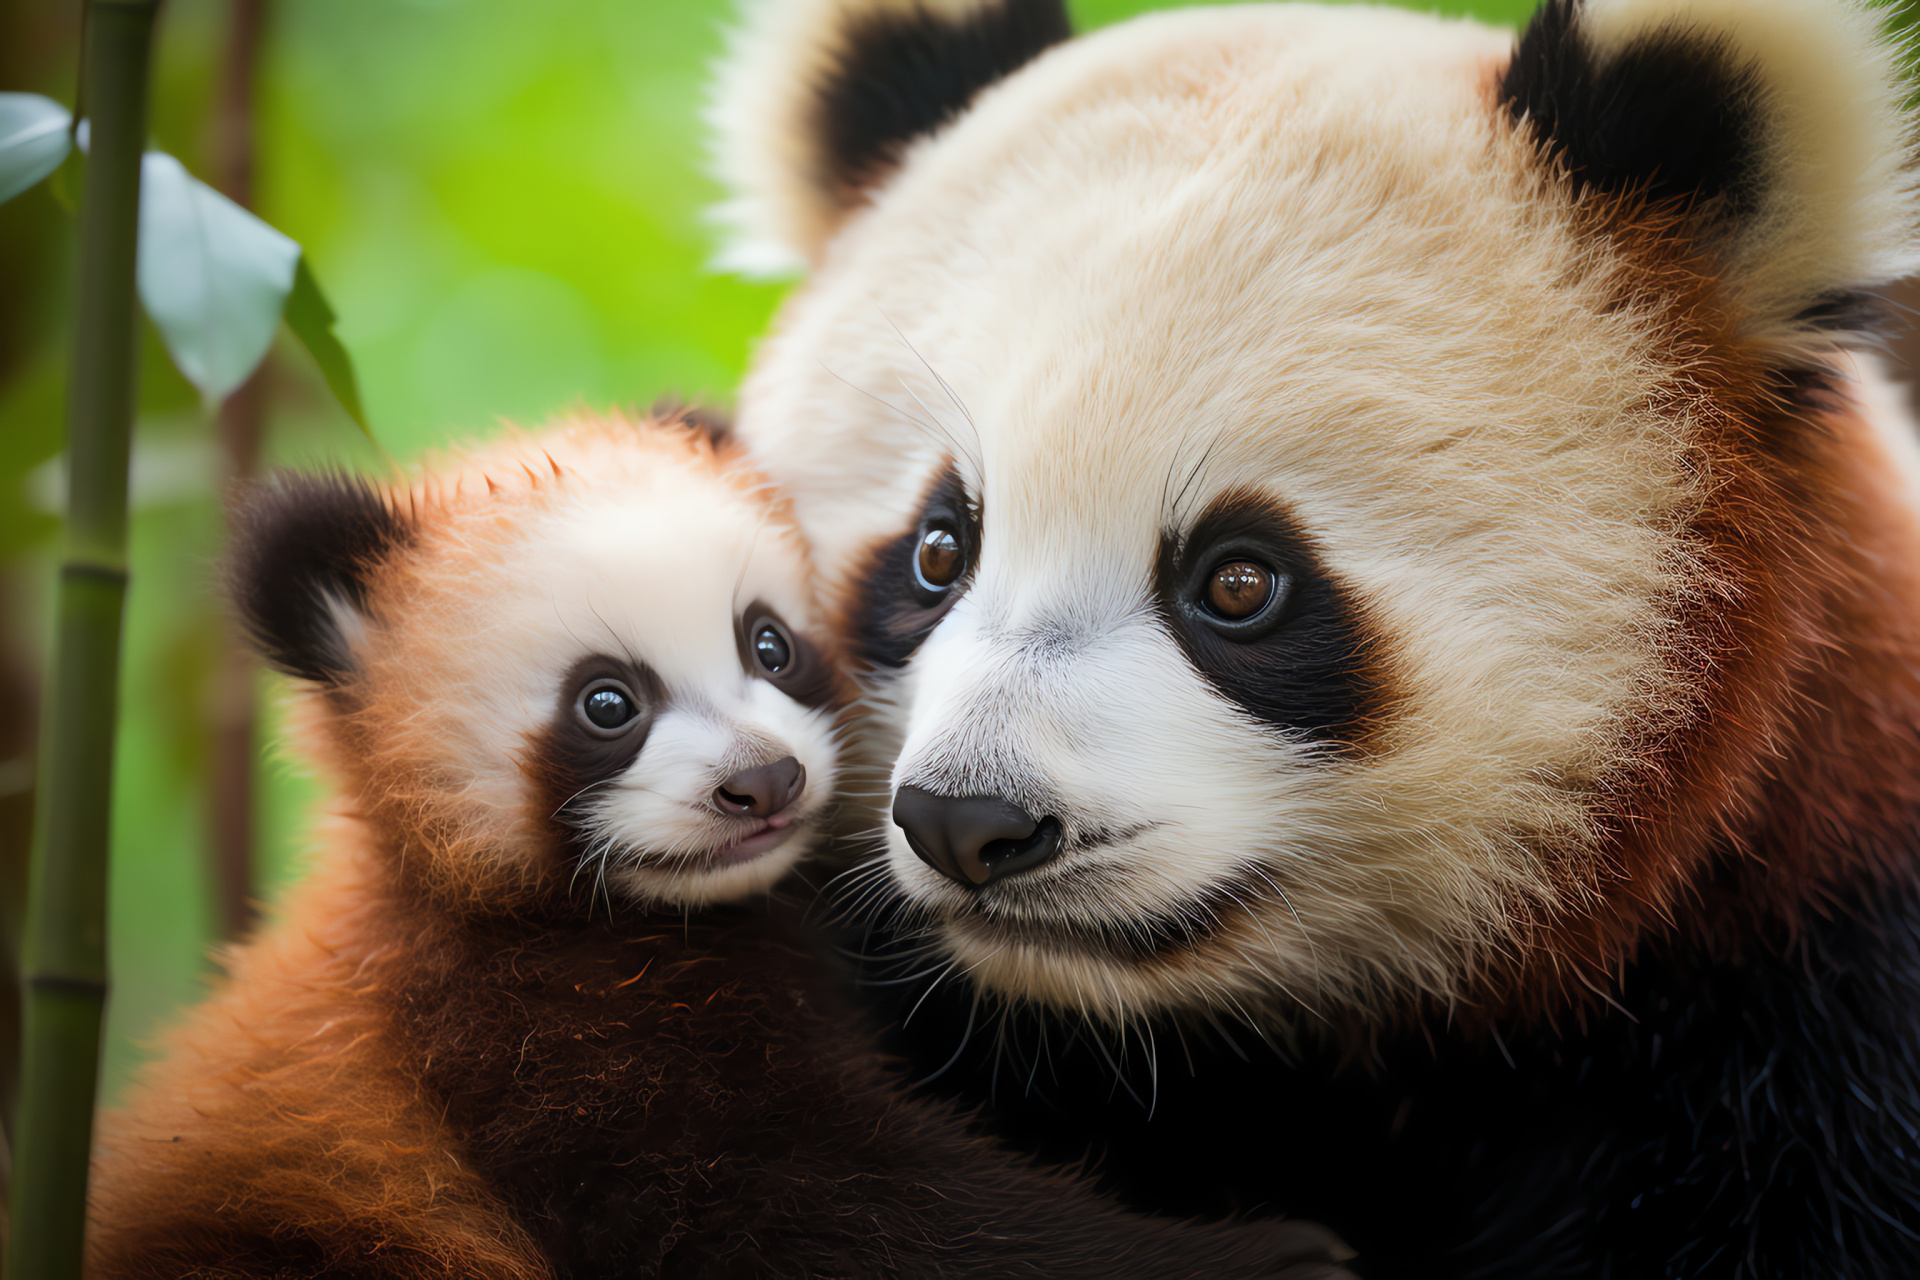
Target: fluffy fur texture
491 1037
1525 368
817 101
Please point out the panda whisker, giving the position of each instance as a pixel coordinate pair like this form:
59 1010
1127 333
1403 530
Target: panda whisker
1099 1042
924 408
931 988
931 430
1193 475
1180 1034
1042 1052
966 1037
855 891
600 886
1282 894
746 561
876 895
972 455
931 371
1152 1049
856 872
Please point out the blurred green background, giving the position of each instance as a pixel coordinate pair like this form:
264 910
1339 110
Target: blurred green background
504 200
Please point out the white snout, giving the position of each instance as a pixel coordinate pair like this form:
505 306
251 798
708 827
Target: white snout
669 829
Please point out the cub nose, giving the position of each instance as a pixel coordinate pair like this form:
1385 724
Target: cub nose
763 789
974 839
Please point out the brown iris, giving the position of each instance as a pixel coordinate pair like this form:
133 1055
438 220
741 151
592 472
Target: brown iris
1239 589
939 561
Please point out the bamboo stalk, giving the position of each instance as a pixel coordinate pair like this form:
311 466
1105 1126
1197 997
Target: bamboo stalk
66 952
234 712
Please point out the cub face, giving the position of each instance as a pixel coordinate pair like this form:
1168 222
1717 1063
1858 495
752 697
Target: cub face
590 652
1296 470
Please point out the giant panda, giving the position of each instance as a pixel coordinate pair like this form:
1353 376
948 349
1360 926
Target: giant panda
1390 577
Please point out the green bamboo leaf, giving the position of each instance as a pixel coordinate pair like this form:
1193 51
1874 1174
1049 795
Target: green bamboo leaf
213 277
34 139
311 319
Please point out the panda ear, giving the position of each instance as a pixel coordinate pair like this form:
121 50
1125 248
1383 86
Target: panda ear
1774 130
816 100
304 549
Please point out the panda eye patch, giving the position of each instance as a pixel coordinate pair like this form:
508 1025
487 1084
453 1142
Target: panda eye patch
608 708
914 577
602 716
1250 600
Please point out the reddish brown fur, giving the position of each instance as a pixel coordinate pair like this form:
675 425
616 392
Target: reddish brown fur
386 1086
1798 771
280 1134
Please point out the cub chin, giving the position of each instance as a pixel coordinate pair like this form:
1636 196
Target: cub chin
574 698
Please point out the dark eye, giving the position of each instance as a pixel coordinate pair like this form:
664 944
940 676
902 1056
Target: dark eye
607 707
939 561
771 648
787 659
1238 589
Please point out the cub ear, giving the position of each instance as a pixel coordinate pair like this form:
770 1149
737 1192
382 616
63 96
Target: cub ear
1774 130
816 100
304 548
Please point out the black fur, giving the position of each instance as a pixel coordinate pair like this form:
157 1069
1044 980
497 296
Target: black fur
1745 1120
1671 115
1851 311
673 1096
298 541
1307 670
900 74
890 616
570 762
714 423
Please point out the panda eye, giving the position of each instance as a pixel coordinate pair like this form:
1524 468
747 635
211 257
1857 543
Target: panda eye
939 560
607 708
772 648
1238 590
772 651
916 575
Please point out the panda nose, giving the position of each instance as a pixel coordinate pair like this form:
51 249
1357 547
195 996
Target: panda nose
761 790
974 839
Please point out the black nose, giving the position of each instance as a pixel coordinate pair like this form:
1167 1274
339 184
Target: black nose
974 839
763 789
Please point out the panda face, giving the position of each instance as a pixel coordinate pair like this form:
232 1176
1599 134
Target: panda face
1320 495
687 748
606 662
1309 615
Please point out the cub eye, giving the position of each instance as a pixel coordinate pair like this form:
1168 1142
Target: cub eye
1239 589
939 561
771 648
607 707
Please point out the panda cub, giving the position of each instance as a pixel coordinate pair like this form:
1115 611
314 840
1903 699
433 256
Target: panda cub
573 694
